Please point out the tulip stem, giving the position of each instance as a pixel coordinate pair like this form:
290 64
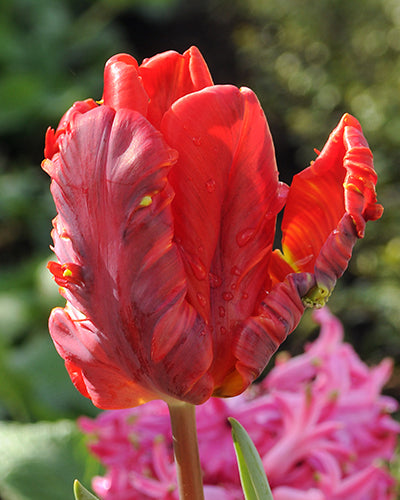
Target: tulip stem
186 451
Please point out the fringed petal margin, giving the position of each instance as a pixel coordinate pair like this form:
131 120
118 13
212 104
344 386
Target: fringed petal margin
360 180
341 180
52 138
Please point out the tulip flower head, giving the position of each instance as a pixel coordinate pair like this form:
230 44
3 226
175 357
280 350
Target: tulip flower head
167 194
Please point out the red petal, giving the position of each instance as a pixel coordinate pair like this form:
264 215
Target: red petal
115 225
89 363
332 260
52 138
226 198
50 147
169 76
360 176
341 180
259 336
78 108
123 86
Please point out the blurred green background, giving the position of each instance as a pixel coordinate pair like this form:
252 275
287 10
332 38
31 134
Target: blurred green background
309 62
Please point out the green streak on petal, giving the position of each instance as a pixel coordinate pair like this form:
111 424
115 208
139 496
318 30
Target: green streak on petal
146 201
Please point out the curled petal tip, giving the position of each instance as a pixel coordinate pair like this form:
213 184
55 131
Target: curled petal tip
51 146
122 58
350 120
47 165
123 87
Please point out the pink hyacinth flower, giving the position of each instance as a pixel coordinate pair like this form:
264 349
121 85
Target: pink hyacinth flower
318 420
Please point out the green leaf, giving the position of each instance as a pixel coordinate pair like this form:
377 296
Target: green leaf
40 461
252 475
82 493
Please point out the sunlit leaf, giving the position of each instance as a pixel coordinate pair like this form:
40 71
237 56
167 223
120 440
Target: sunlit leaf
81 493
252 475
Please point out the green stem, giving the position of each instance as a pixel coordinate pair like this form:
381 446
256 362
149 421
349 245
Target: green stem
186 450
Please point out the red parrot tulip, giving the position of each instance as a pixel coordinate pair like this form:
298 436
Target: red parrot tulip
167 194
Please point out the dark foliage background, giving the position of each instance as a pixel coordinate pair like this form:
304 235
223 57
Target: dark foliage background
309 62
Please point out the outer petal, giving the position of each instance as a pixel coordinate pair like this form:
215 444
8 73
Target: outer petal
52 138
227 195
327 208
127 323
169 76
89 363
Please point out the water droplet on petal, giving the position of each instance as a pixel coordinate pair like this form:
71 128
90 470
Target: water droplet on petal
202 300
243 237
233 286
222 330
221 311
245 296
227 296
215 280
196 141
211 185
236 271
198 268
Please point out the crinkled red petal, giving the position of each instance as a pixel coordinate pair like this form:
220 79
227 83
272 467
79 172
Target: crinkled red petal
340 181
50 147
257 338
